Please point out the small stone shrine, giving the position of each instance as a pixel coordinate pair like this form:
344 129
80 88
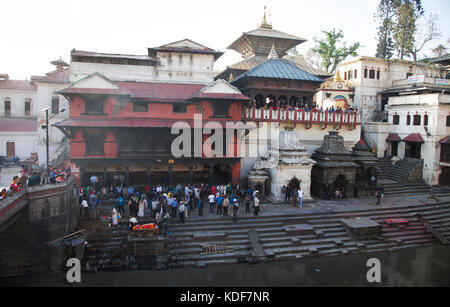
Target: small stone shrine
286 163
335 166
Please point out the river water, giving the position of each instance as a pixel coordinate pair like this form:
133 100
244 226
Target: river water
425 266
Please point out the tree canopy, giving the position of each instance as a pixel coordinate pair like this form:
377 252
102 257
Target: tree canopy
332 51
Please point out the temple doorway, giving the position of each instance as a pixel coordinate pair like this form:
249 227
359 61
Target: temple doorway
340 184
294 183
412 150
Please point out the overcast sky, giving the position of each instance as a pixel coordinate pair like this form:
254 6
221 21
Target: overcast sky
35 32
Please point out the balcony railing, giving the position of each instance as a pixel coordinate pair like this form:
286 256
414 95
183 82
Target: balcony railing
351 119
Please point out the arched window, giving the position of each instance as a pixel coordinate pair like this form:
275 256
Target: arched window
271 101
448 121
293 101
259 101
416 120
425 120
282 102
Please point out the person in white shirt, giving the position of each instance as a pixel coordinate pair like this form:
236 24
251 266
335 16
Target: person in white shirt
212 200
181 210
256 212
300 197
85 206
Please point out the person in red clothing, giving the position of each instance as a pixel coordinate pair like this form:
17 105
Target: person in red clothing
14 186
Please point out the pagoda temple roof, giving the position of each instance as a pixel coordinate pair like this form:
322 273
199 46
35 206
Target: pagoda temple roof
279 69
259 42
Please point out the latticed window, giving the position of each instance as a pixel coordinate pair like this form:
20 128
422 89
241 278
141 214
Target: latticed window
27 107
55 104
7 106
93 106
140 107
94 144
396 120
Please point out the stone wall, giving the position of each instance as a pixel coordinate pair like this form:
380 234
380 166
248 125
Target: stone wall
51 213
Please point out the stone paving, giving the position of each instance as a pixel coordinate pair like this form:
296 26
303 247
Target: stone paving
323 206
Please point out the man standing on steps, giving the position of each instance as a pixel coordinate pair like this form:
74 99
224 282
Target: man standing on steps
300 197
235 209
181 209
256 212
219 201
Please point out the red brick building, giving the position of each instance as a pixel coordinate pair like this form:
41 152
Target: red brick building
123 127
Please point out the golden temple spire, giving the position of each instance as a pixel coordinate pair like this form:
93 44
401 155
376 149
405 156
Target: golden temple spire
337 77
231 77
265 24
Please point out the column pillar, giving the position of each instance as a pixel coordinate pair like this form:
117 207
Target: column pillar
149 176
170 174
230 173
127 175
191 174
105 176
82 175
211 172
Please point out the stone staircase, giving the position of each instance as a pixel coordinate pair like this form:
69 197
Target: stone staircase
385 165
233 244
403 189
404 170
107 249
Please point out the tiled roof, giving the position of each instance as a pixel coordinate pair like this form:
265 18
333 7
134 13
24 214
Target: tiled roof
445 140
160 91
414 138
127 122
273 33
59 76
230 96
445 57
189 47
112 55
279 69
393 137
17 85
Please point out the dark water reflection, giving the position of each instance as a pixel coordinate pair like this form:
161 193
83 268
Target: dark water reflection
427 266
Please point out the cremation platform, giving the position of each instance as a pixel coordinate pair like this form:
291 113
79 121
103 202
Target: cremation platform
362 228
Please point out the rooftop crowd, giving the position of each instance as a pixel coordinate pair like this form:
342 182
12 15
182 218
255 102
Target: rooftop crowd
30 178
283 105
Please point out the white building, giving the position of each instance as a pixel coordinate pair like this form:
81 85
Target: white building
418 126
18 125
369 76
22 118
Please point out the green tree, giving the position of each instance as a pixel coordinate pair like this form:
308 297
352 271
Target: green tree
404 29
330 52
385 14
439 51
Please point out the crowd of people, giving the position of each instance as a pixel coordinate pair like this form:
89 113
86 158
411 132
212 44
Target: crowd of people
30 178
162 203
271 104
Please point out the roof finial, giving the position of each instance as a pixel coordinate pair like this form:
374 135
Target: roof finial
264 24
273 53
